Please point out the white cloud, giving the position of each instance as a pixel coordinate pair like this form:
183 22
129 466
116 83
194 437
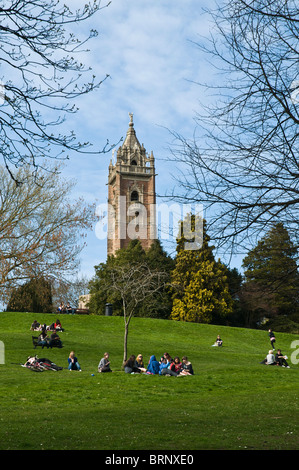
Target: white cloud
146 48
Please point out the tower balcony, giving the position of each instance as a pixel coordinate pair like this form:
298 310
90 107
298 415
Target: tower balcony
131 170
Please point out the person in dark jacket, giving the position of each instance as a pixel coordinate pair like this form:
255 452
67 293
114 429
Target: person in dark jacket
280 359
272 338
130 367
55 340
187 368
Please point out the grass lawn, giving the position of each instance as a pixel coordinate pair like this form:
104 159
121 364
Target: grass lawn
232 402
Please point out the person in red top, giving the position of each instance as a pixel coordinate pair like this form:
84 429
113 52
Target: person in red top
177 365
57 325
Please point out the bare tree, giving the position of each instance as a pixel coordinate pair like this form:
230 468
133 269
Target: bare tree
41 232
243 164
133 284
40 78
69 290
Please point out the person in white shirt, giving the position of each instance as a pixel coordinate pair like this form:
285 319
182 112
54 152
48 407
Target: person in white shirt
270 358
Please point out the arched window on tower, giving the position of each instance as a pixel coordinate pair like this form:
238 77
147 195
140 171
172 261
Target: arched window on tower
134 196
133 162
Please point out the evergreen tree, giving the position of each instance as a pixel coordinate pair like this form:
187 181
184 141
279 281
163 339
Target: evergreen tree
159 305
271 270
33 296
200 288
235 282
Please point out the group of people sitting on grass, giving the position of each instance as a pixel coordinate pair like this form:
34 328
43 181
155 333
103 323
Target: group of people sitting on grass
135 365
166 365
104 364
43 339
40 327
278 360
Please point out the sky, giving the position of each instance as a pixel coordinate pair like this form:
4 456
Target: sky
148 49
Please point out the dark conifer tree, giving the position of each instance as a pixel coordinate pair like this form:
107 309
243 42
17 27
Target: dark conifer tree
271 271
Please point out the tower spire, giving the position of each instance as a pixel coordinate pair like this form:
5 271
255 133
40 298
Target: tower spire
131 195
131 141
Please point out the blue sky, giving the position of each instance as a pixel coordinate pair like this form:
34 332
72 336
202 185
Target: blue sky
148 49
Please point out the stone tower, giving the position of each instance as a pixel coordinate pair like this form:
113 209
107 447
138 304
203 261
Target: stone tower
131 195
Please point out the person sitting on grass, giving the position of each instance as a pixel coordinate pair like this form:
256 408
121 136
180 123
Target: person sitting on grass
163 364
55 340
169 369
43 339
130 367
104 364
73 362
281 359
218 341
168 357
139 363
58 326
153 366
270 359
177 367
35 326
187 368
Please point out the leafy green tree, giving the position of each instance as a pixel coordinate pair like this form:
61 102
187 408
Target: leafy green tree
271 271
200 288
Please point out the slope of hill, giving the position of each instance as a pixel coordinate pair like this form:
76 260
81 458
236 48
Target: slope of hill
232 401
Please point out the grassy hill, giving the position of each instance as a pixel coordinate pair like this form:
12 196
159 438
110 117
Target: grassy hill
232 401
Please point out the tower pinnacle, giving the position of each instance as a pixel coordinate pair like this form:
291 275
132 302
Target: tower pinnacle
131 195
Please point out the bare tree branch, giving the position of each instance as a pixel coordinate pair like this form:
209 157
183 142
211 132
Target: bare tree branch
41 232
40 78
133 283
243 164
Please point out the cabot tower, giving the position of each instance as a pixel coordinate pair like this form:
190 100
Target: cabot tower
131 195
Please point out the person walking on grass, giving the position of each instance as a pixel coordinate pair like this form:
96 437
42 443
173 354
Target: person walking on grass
272 338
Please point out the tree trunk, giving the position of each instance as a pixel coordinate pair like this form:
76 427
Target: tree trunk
126 340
